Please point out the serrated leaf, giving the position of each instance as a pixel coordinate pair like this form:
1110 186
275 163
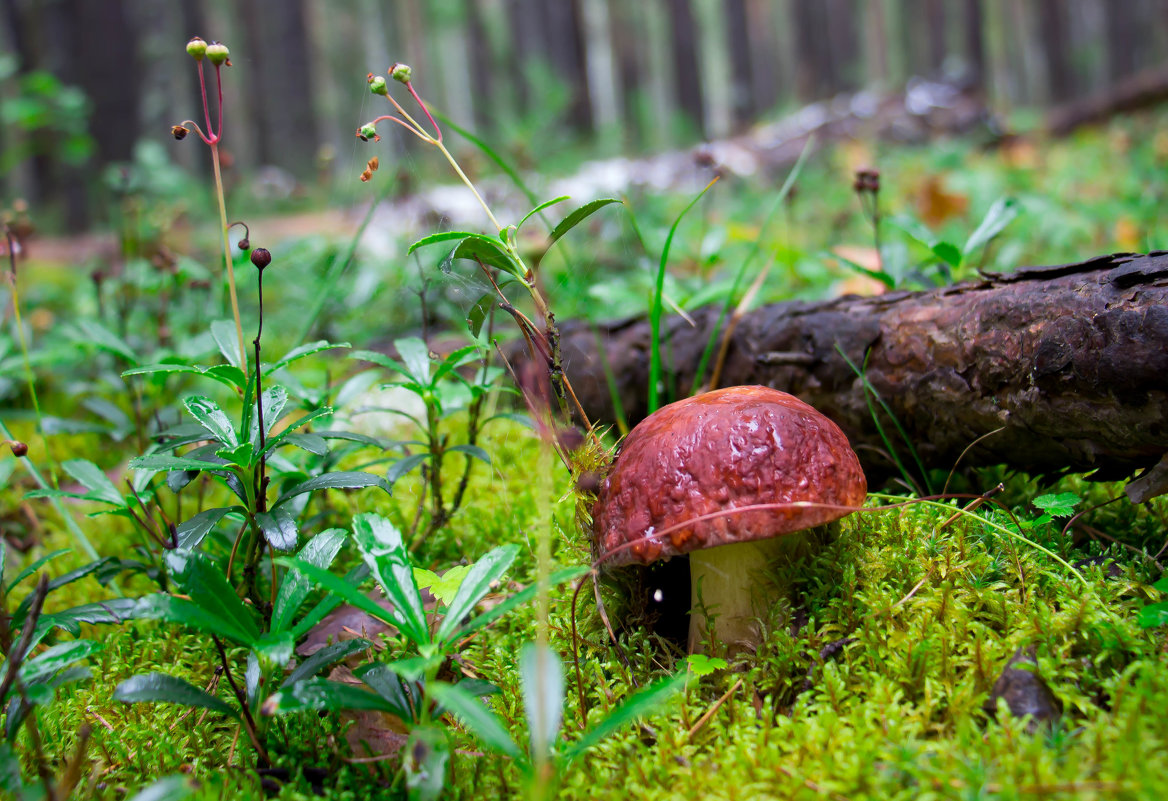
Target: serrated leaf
339 480
212 418
274 400
198 577
326 656
226 337
313 443
192 531
477 582
323 694
443 587
484 724
1061 505
279 528
159 687
385 553
702 665
294 589
239 455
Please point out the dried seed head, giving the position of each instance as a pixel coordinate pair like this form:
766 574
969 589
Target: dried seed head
370 168
18 448
179 132
368 131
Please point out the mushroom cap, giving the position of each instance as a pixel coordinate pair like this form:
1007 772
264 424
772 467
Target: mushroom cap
716 452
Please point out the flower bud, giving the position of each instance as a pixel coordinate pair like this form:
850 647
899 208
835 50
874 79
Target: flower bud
18 448
401 73
218 54
261 257
377 85
244 243
197 48
368 131
179 132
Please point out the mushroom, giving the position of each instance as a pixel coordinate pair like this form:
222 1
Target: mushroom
720 476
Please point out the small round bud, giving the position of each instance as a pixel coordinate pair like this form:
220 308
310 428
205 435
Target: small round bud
368 131
179 132
377 85
197 48
244 243
218 53
401 73
261 257
18 448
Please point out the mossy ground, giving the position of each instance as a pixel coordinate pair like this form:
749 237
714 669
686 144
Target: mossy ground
924 617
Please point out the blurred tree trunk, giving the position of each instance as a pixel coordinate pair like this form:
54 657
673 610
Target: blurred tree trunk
1055 40
765 67
875 43
973 25
600 64
935 45
482 72
627 30
687 84
279 85
563 38
743 97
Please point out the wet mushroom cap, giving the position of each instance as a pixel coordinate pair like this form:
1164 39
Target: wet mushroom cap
685 467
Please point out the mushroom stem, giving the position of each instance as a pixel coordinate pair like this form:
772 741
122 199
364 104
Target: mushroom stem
736 585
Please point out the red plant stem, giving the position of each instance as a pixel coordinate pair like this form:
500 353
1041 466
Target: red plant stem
425 110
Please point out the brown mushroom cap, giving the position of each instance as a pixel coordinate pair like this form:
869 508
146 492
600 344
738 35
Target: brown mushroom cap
716 452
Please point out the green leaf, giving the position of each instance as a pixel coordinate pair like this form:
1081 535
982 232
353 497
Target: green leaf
324 694
95 480
384 552
542 680
878 275
435 239
415 354
313 443
160 606
539 208
191 532
159 687
520 598
484 724
275 442
342 590
223 373
1153 615
427 758
702 665
239 455
1061 505
330 601
294 589
488 250
474 451
200 578
160 461
1161 584
300 352
54 658
227 374
479 577
578 216
103 338
34 567
170 788
274 400
339 480
387 683
641 703
55 584
1001 213
212 418
948 253
226 336
275 649
403 466
279 527
326 656
115 610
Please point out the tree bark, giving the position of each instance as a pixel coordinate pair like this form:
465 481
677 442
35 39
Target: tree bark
1070 362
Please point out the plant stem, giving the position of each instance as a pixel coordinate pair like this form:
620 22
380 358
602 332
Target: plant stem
469 184
227 254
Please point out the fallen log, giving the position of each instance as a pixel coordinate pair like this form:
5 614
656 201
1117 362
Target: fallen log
1047 369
